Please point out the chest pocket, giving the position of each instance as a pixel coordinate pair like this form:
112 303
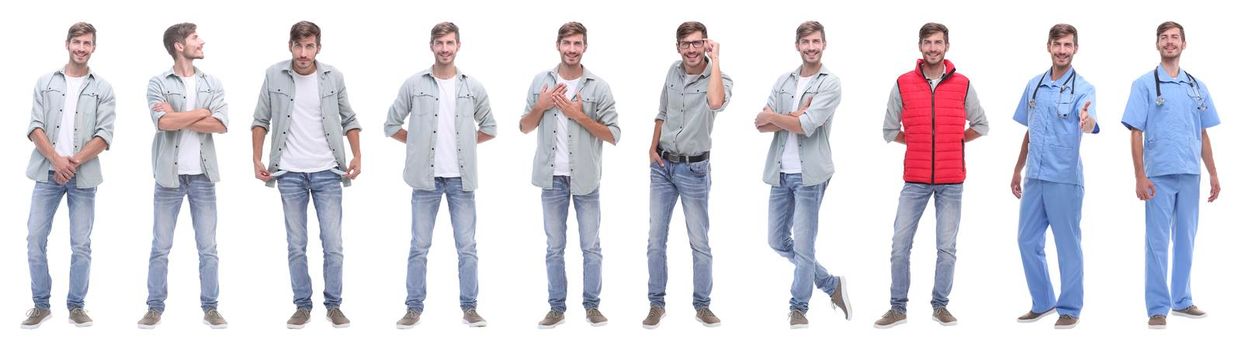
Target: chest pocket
88 104
1174 117
328 104
52 97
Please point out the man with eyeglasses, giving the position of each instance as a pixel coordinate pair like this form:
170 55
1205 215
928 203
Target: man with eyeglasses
1056 109
575 114
694 91
1168 114
928 111
799 113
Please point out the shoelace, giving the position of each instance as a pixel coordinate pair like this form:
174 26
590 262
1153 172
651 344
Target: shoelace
334 312
594 312
652 313
214 315
77 311
32 312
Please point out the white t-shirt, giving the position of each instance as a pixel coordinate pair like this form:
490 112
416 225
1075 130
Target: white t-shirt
560 161
791 161
306 146
446 162
189 154
68 115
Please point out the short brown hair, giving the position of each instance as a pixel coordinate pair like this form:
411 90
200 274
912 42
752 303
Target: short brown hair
302 30
177 34
807 28
571 28
80 29
933 28
1170 25
685 29
1062 30
444 28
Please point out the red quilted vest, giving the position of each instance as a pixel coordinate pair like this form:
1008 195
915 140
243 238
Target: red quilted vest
935 124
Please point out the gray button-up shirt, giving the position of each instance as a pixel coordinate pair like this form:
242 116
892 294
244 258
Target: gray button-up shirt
274 112
95 117
420 96
687 119
824 91
167 87
585 150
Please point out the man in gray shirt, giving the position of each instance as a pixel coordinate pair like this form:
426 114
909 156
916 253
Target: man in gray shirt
694 91
304 104
187 106
70 124
575 113
799 112
440 162
934 111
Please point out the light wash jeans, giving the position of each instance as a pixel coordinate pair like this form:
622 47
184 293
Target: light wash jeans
297 190
691 182
202 197
555 214
43 205
793 224
425 205
910 207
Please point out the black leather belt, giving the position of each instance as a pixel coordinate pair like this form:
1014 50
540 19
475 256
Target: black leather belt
677 158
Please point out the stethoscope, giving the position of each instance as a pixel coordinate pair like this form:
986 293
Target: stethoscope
1073 78
1160 97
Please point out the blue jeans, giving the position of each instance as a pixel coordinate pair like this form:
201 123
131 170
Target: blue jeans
914 199
555 214
297 190
793 224
202 197
425 204
1172 219
1060 206
691 182
43 204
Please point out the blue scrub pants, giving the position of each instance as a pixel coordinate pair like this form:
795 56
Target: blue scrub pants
1058 205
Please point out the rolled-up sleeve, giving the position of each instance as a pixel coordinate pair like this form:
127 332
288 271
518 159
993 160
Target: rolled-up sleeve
349 118
263 109
105 115
155 95
400 109
823 107
483 111
37 111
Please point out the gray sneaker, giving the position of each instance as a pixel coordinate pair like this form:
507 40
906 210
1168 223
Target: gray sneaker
35 317
596 318
797 320
707 318
338 318
1157 322
1066 322
411 319
943 316
1191 312
471 318
841 299
299 319
212 318
552 319
890 319
653 317
1032 316
150 319
78 317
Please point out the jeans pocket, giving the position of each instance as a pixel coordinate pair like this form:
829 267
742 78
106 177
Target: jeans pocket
700 169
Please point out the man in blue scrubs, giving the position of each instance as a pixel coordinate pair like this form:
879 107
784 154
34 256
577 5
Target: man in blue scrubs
1168 114
1056 108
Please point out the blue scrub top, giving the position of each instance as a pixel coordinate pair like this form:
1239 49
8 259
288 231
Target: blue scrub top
1172 130
1053 152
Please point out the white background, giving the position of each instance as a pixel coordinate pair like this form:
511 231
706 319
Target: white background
999 45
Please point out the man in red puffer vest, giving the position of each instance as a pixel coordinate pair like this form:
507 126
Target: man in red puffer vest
928 111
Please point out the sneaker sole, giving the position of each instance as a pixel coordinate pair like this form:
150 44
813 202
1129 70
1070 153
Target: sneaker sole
705 324
402 326
798 326
1155 327
597 324
551 326
214 326
148 326
40 323
845 299
295 326
946 324
334 325
890 325
1037 318
1186 315
1071 326
83 324
475 324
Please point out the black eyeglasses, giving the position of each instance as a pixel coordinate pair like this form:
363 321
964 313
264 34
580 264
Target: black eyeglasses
685 44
